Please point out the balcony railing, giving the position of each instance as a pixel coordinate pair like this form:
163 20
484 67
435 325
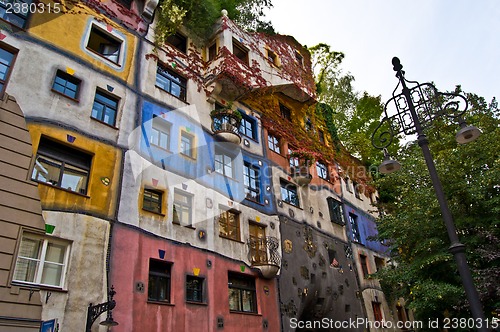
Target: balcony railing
263 254
226 127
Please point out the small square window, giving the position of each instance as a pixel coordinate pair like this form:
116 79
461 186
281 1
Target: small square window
187 147
160 133
194 289
242 294
61 166
240 51
104 44
289 193
159 281
10 12
273 143
229 224
152 200
171 82
182 208
178 41
66 84
41 260
105 107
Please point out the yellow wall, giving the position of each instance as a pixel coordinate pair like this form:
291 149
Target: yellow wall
106 162
47 26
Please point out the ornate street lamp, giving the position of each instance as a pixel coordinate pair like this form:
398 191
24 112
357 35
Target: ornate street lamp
95 311
415 108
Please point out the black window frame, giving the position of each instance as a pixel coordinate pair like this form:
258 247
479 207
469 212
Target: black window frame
285 112
247 182
64 158
97 32
286 189
104 101
20 18
248 126
66 78
322 170
241 52
353 220
241 284
149 203
9 64
195 287
174 79
163 276
335 209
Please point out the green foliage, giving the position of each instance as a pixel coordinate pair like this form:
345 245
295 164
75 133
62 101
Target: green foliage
426 273
199 16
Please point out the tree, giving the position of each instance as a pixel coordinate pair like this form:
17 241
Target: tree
199 16
425 272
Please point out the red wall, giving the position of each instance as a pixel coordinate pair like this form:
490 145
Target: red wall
130 254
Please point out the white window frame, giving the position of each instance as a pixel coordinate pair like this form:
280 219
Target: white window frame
118 65
42 259
161 127
225 163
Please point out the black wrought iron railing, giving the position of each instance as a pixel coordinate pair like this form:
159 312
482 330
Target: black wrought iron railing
264 251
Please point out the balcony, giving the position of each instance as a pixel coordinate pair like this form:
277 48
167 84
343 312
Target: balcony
226 126
263 254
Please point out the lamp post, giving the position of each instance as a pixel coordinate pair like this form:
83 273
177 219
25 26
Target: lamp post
415 108
94 311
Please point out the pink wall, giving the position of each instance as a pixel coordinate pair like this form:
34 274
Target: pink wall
130 254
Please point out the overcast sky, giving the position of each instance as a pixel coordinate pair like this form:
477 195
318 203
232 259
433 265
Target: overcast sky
448 42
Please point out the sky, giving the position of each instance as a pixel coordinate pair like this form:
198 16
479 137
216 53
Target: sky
448 42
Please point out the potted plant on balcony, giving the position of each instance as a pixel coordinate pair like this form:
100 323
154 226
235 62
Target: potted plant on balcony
305 158
226 123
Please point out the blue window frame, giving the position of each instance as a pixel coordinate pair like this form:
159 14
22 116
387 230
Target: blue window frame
105 108
248 126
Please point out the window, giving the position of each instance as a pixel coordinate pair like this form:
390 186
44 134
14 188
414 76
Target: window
41 261
356 190
61 166
289 193
258 249
240 51
309 125
251 180
223 164
273 143
379 263
293 161
178 41
242 295
159 281
377 312
364 265
171 82
321 136
353 220
322 170
299 58
126 3
6 61
335 210
248 126
212 51
104 44
160 133
229 224
152 200
272 57
105 107
285 112
66 84
194 289
187 144
182 208
348 185
16 15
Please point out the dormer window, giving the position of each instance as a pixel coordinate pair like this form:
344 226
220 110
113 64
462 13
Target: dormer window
240 51
178 41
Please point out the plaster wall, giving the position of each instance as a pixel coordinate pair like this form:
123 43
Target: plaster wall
85 279
135 312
